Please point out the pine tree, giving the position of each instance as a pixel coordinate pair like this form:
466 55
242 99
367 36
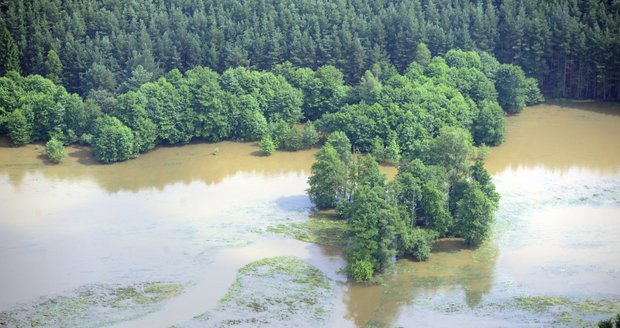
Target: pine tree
53 67
422 55
9 54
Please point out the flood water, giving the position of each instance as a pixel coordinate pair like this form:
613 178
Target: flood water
558 173
195 214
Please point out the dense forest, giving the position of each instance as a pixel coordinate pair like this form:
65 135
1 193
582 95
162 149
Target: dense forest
94 46
386 113
360 77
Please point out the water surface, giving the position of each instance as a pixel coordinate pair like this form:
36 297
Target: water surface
184 215
558 173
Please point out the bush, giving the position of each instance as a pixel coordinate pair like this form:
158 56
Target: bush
419 243
55 150
361 270
19 127
310 135
392 152
267 145
378 150
278 131
85 139
609 323
532 92
605 324
293 140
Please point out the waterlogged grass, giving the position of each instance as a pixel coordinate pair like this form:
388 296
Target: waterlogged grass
149 293
280 291
323 228
540 303
528 311
565 311
91 306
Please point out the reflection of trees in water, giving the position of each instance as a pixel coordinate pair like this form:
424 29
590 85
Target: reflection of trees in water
451 266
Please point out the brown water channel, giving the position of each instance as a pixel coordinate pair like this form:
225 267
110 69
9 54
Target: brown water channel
193 216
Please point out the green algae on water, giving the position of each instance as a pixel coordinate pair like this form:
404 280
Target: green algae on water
323 228
91 306
273 291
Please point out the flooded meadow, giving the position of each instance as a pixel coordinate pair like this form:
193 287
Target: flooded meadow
217 235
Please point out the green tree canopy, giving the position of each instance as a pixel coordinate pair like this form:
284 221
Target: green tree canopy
372 220
55 150
422 54
327 181
53 67
474 214
9 53
112 141
511 88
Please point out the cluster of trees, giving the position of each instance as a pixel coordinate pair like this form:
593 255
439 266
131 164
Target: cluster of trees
428 121
388 114
240 104
571 46
440 194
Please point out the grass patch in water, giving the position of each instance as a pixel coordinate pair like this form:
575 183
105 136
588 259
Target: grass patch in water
148 293
273 291
568 312
540 303
323 228
91 306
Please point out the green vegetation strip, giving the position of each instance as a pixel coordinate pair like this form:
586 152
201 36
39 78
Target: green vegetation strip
91 306
324 228
278 290
566 311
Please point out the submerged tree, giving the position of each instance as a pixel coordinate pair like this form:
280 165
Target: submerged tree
327 181
371 219
112 141
474 214
266 144
55 150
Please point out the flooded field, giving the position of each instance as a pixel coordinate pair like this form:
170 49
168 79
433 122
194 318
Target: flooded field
158 240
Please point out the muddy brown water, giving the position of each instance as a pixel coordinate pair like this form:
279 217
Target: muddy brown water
558 172
560 137
178 213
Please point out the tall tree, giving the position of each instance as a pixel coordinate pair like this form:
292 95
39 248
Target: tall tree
9 54
474 214
422 54
53 67
511 88
327 181
372 220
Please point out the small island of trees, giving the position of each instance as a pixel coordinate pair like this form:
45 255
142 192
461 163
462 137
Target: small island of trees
433 122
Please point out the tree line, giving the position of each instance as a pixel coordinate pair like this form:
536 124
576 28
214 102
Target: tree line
386 113
239 105
571 46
